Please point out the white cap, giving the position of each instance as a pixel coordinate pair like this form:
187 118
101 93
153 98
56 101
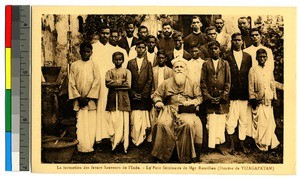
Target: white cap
179 59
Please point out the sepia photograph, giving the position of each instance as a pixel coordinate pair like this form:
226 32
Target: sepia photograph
198 90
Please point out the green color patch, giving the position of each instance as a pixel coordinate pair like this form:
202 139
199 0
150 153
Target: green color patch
7 110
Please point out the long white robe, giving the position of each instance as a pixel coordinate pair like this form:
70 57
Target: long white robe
262 88
102 55
84 81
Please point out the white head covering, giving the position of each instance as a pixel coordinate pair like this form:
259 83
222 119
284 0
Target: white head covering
179 59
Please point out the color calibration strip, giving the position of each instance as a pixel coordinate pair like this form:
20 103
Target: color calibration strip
15 88
24 65
8 38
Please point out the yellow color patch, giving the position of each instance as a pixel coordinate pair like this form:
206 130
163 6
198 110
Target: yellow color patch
8 68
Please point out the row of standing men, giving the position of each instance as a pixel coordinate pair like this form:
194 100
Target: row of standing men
144 80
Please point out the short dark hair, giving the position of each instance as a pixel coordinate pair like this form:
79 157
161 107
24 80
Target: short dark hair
114 30
213 43
151 36
139 42
117 53
255 29
142 27
243 17
166 23
86 44
104 26
219 18
210 28
161 51
176 34
261 51
196 17
235 35
129 21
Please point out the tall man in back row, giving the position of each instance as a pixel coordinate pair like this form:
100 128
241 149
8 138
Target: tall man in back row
196 36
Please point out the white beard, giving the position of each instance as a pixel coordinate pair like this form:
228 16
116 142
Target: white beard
179 79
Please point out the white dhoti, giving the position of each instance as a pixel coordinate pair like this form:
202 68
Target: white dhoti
102 115
250 121
139 122
86 130
238 116
264 128
216 129
118 128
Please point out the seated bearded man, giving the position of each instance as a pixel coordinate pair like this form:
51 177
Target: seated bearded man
177 124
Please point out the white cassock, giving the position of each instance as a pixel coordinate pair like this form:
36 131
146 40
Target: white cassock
102 55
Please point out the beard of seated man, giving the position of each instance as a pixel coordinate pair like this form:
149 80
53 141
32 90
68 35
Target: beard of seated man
180 78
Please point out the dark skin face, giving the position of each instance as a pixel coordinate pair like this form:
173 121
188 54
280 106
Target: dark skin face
140 50
143 33
243 24
219 25
167 30
113 39
237 43
161 60
118 61
212 34
255 38
104 35
194 51
261 59
215 52
86 53
178 42
151 44
129 30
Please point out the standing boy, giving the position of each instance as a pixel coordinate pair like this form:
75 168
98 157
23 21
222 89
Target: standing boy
140 101
215 86
118 80
84 82
262 94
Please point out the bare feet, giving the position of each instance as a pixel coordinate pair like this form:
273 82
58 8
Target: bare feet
222 150
232 151
245 150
